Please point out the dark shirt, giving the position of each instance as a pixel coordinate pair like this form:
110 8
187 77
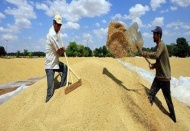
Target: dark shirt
162 65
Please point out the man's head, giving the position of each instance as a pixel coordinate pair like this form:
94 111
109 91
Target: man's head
157 33
57 22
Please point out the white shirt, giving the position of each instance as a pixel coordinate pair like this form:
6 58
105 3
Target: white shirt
52 45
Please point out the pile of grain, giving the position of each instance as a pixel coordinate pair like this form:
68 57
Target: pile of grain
111 98
116 39
122 42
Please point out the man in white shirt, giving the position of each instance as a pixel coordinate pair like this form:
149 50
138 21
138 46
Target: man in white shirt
53 51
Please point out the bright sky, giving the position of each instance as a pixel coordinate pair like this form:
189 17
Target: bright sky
24 24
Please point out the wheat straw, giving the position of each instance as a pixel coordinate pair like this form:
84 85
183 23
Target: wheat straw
119 39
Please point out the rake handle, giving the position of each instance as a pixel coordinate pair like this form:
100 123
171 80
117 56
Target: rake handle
147 60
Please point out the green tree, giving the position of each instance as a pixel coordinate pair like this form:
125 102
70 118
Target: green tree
100 53
25 53
172 49
17 54
38 53
30 54
183 47
80 50
87 52
2 51
96 52
169 47
104 51
72 49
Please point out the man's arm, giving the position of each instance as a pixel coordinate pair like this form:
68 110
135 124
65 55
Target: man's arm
151 66
153 55
61 51
54 41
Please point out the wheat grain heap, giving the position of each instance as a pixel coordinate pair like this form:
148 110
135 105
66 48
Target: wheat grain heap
122 42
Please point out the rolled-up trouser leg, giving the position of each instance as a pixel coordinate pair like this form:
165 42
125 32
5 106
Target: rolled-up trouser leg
167 96
50 83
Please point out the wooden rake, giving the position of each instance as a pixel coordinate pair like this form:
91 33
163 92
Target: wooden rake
70 85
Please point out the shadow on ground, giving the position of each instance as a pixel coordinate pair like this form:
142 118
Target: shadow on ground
119 82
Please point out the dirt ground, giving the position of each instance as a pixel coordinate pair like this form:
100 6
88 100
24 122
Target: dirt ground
111 98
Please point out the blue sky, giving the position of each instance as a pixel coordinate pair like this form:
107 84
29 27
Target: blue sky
24 24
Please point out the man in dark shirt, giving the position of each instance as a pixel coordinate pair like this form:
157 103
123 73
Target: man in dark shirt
163 71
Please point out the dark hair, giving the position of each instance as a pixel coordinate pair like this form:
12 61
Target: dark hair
159 34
